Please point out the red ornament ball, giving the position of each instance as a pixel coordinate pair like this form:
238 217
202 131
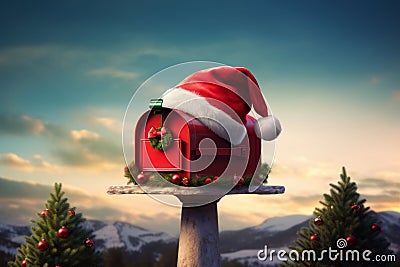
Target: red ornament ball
42 245
351 240
355 207
89 243
44 213
238 181
208 181
185 180
375 227
176 179
23 263
318 221
314 237
141 178
63 232
72 212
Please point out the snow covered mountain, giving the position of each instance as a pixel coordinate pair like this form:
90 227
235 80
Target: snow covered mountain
107 235
124 235
277 231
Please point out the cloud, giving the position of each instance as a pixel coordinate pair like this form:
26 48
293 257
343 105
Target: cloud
114 73
73 148
109 123
20 125
305 168
21 201
88 149
306 200
17 162
396 96
21 190
84 134
377 183
29 55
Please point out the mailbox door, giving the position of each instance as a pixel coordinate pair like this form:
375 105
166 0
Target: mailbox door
174 158
159 160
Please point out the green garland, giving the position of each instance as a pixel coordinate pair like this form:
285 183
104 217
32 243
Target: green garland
163 142
261 173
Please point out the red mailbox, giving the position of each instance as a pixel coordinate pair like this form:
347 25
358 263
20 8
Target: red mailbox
194 149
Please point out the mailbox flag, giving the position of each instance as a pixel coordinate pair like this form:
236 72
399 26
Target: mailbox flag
221 98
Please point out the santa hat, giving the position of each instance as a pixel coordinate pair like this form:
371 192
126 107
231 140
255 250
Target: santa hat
221 98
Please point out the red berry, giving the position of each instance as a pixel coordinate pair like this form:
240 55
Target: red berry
43 245
23 263
141 178
208 181
44 213
314 237
72 212
216 178
63 232
176 179
126 169
375 227
185 180
89 243
351 240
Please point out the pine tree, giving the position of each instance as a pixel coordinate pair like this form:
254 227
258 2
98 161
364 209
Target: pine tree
58 238
343 224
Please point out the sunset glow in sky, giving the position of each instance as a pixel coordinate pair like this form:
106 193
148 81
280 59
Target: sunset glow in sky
330 72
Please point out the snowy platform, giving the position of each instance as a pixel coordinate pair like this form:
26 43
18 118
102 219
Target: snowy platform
190 191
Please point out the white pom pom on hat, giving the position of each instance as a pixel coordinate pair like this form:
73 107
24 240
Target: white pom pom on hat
221 98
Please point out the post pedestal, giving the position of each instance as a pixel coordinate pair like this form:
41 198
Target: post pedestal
199 238
199 235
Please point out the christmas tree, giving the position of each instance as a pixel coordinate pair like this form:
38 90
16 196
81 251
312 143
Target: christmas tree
58 238
342 226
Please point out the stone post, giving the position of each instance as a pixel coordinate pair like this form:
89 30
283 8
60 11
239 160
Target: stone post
199 237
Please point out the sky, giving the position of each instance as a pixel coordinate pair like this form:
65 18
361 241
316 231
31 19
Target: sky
330 71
